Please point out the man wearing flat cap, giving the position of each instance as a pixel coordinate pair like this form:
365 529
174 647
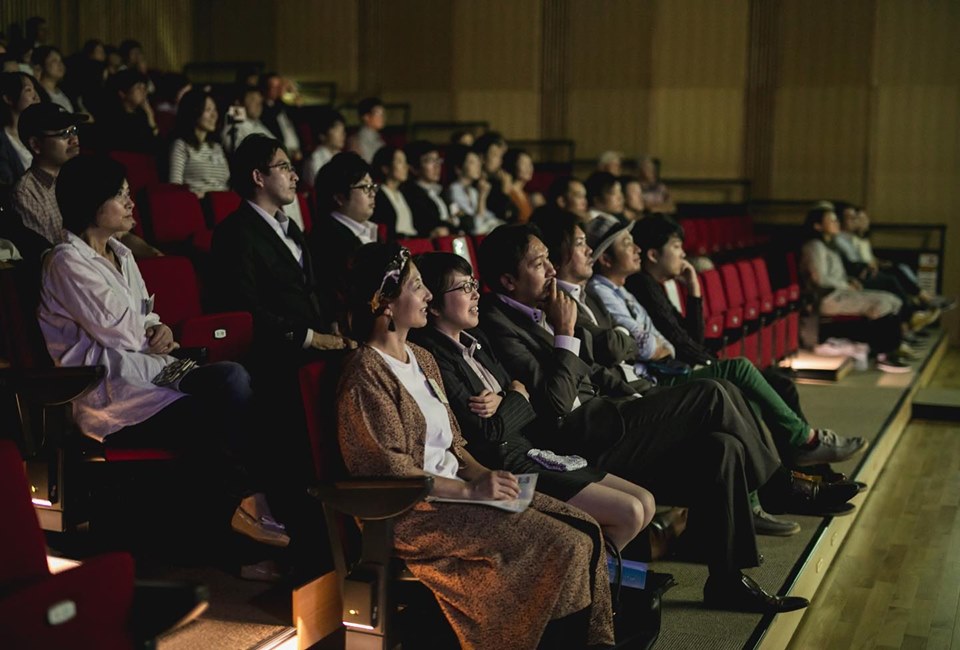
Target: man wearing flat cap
50 131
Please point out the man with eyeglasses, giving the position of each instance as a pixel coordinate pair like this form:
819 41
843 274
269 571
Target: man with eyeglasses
50 131
431 217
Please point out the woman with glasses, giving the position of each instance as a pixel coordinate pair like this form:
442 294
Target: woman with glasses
95 310
196 158
495 414
499 577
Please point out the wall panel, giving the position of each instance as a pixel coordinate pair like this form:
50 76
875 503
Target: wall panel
328 51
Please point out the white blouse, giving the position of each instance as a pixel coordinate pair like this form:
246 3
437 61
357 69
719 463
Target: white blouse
92 314
437 458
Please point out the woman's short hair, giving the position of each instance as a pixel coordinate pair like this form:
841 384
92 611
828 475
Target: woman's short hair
38 57
383 158
653 232
457 155
437 271
511 159
502 250
255 152
85 183
482 144
367 271
598 184
191 107
418 149
334 179
557 231
814 218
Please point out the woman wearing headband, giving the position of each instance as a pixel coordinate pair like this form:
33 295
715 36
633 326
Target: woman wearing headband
499 577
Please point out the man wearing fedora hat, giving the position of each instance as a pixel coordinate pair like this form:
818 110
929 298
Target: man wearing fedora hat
50 132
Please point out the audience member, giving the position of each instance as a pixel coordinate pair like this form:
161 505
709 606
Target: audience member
615 258
518 167
467 194
394 420
17 91
84 78
466 138
610 162
275 115
605 195
431 217
331 136
51 134
491 148
346 195
494 412
836 295
95 309
126 121
238 124
633 208
196 159
695 444
49 61
367 140
390 170
262 264
567 193
656 196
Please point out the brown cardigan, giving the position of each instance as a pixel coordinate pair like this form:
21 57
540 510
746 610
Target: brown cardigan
499 577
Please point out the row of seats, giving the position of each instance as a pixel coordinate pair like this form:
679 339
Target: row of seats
713 235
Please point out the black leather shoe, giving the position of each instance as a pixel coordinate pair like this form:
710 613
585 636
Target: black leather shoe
809 497
744 595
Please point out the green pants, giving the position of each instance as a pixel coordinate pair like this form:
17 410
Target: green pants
774 412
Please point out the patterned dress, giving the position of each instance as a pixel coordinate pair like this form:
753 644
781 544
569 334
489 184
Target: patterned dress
499 577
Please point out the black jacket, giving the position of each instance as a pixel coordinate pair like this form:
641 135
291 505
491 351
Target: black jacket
492 440
555 378
333 246
684 332
611 346
254 271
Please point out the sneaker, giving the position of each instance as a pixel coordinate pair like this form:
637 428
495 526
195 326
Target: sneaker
830 448
921 319
891 363
766 524
907 353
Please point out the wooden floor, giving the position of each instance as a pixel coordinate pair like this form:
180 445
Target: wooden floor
896 583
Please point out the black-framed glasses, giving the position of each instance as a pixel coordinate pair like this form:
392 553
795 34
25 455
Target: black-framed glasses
282 166
370 189
65 134
467 286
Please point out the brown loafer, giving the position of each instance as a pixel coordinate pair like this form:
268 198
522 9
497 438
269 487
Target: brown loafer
246 524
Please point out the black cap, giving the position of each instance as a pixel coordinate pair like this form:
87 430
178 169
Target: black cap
44 117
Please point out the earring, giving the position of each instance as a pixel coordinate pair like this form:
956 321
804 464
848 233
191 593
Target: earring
391 326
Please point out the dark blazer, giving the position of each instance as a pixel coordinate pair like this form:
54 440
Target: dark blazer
556 377
684 332
384 213
254 271
426 214
333 246
491 439
611 346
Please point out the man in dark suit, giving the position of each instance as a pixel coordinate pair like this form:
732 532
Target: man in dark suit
262 265
345 201
431 216
691 445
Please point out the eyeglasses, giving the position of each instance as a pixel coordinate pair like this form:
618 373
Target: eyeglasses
432 160
65 134
282 166
467 286
370 189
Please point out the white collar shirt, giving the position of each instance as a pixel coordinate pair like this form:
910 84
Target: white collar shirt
366 232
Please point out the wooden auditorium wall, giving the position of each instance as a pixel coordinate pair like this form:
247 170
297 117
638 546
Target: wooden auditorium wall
164 27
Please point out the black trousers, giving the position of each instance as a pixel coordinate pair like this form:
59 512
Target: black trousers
699 445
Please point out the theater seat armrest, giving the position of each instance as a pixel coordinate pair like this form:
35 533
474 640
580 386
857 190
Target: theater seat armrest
374 498
197 354
51 386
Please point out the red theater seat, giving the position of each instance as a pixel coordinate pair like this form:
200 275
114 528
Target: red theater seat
462 245
714 298
174 216
417 245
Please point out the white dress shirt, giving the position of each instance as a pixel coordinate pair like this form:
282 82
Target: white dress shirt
366 232
92 314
